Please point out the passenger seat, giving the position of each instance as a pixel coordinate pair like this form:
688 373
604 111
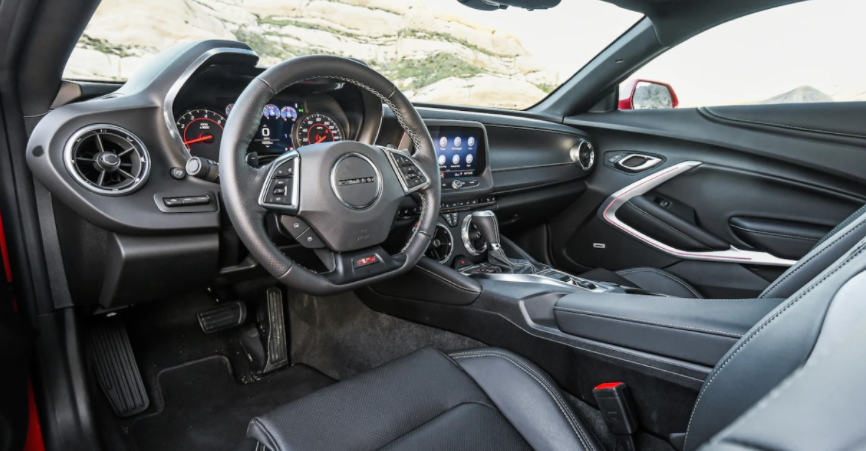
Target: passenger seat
825 252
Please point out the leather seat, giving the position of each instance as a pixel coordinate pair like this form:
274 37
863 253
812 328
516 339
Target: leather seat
493 399
824 253
485 399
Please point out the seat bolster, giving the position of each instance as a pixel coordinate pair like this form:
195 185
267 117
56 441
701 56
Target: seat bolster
649 279
529 400
372 409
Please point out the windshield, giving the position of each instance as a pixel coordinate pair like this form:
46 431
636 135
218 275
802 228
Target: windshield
436 51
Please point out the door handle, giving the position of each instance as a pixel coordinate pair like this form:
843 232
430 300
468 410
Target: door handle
636 162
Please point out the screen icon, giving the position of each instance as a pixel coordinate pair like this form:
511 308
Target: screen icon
442 160
457 141
471 141
443 141
456 159
469 159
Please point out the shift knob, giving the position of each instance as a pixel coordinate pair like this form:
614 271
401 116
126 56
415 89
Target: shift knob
486 222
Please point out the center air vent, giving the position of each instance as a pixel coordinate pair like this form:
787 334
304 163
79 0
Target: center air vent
583 154
442 244
107 159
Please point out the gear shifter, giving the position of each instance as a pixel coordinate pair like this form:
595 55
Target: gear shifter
489 228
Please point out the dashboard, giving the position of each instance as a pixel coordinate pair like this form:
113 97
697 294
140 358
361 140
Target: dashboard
124 218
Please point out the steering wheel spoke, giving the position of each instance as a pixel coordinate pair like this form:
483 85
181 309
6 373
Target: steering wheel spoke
281 187
408 171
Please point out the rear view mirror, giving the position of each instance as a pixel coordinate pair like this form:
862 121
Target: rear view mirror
492 5
647 94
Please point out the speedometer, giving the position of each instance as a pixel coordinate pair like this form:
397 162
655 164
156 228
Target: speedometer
317 128
202 131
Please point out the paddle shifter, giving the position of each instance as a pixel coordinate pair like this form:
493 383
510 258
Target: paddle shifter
486 222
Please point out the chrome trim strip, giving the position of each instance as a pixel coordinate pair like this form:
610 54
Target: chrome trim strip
296 183
379 181
646 184
168 103
68 155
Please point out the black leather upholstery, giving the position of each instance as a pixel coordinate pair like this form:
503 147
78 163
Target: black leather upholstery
822 255
648 279
486 399
695 330
819 406
776 347
492 399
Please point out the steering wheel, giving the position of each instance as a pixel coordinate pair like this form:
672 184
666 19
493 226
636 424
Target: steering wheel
344 194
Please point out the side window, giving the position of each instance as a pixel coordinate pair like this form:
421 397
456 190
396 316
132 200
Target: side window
801 53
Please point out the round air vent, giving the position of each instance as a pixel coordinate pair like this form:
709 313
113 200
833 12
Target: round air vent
473 241
442 244
107 159
583 154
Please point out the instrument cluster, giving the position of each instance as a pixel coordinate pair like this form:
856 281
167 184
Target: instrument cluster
299 116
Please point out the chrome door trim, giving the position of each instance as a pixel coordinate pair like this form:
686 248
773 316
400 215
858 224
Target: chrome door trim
646 184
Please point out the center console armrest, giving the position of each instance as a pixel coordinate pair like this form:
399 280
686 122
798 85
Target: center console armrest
694 330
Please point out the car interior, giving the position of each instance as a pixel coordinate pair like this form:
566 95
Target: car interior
227 252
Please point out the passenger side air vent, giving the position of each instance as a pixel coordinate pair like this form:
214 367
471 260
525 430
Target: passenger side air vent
107 159
583 154
442 245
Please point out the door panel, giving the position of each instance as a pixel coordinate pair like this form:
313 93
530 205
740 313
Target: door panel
765 188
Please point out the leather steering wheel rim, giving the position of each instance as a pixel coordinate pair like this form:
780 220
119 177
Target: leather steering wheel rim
236 176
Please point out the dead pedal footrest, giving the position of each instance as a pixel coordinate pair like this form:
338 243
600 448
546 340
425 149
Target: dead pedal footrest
116 368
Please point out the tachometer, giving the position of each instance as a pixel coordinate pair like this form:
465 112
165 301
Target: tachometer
201 131
317 128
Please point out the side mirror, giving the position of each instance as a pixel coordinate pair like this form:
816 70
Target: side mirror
647 94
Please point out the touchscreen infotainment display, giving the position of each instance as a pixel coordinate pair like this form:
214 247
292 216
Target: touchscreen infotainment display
457 150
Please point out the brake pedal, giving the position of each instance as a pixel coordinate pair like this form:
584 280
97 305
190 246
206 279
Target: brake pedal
116 368
222 317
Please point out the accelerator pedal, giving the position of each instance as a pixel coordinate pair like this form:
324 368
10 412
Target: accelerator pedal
275 332
222 317
116 368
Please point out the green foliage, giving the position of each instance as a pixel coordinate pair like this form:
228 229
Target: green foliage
104 46
418 73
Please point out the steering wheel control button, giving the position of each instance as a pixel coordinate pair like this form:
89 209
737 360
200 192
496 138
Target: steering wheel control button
365 261
295 226
285 169
410 174
280 189
310 240
356 181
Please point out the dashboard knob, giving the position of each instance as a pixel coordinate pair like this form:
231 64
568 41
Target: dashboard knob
457 184
203 168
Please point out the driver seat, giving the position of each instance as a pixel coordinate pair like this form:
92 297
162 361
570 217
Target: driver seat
492 399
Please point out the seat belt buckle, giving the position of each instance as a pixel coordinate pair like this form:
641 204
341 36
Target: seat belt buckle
617 407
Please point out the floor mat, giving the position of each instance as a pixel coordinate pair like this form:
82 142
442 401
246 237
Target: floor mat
342 337
204 408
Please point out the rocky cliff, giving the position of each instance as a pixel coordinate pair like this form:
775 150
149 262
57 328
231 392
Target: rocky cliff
431 55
